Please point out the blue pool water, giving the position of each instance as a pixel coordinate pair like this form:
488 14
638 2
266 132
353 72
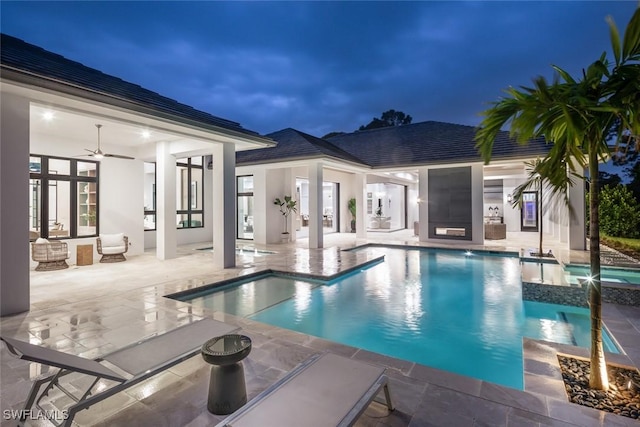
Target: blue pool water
443 309
575 273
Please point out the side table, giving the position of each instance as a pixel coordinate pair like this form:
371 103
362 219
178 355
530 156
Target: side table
227 388
84 255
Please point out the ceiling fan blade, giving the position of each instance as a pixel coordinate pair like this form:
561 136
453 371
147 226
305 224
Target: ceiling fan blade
91 151
119 156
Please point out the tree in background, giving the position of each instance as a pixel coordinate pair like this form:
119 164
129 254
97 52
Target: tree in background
610 179
634 185
330 134
576 116
619 212
388 119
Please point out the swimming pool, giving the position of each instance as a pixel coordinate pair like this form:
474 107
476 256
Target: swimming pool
574 273
443 309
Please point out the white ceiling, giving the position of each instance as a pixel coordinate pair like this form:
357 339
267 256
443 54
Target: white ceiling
81 128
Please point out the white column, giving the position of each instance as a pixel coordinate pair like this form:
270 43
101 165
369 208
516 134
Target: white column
577 229
477 204
290 190
224 193
423 204
14 205
166 233
260 206
361 207
315 205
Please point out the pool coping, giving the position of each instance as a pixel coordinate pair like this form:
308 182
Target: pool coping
276 272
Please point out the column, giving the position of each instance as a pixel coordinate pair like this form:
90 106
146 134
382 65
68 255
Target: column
224 194
14 202
290 190
316 235
361 207
423 204
260 206
577 229
477 204
166 227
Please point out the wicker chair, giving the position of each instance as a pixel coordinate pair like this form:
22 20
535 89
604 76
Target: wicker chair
50 255
112 247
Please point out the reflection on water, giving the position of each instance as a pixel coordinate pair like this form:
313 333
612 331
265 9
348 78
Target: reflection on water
459 313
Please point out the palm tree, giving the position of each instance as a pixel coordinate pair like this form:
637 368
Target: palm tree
534 181
576 116
537 181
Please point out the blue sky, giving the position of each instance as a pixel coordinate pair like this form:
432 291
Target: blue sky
323 66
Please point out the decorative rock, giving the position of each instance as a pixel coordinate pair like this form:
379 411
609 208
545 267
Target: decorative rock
618 399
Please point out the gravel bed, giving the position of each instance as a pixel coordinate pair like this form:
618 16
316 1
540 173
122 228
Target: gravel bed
619 399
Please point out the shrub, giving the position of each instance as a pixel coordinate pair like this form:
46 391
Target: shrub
619 212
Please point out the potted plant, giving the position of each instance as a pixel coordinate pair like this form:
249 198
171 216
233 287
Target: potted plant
352 210
287 205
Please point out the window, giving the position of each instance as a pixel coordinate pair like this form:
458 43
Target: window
190 192
244 207
63 197
149 196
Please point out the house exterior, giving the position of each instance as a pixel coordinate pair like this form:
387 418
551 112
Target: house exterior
174 175
49 109
426 175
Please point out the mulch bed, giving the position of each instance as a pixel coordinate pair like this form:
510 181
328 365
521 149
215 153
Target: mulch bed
619 399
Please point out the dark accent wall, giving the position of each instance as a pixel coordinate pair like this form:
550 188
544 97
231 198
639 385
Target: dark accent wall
450 201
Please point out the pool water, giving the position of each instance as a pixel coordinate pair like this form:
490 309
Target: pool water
576 273
463 314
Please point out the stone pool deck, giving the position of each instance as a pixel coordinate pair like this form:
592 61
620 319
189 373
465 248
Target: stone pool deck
95 309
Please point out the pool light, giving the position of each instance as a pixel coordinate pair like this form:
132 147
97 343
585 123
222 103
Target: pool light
468 252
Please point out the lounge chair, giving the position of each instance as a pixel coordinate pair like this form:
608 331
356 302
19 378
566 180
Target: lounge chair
131 364
327 390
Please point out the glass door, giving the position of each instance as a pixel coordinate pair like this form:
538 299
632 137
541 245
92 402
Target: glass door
245 208
529 212
330 203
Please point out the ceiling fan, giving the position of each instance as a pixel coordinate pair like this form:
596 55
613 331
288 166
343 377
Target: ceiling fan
99 154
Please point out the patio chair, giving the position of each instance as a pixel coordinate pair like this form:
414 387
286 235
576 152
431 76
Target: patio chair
112 247
128 366
50 255
327 390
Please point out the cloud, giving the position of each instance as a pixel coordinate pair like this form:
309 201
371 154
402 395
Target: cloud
323 66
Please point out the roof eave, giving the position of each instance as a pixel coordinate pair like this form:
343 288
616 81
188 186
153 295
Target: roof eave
302 158
31 79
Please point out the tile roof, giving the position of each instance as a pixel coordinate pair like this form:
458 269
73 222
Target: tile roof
428 143
293 144
30 60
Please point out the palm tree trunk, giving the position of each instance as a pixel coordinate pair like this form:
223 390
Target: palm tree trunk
598 378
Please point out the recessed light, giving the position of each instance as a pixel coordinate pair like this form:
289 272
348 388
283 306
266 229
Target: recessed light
47 116
146 134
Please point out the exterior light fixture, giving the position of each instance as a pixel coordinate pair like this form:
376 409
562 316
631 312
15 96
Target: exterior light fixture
509 198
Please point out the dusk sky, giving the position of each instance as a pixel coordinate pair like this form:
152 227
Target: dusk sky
328 66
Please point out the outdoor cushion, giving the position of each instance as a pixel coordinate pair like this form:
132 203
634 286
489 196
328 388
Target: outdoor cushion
112 240
109 250
41 240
